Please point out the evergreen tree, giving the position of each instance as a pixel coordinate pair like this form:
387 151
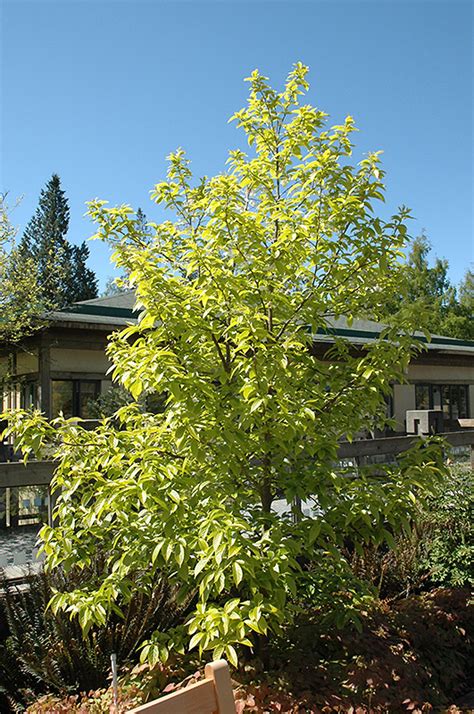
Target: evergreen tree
142 227
63 275
429 283
115 286
83 283
459 321
466 292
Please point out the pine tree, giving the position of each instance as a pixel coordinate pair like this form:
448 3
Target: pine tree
142 226
63 275
83 283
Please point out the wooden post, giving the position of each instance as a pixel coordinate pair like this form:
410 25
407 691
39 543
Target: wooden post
44 377
219 672
14 507
3 508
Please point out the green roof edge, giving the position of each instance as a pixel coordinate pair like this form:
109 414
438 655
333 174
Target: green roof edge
100 310
343 332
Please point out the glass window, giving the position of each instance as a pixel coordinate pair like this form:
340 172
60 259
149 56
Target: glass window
72 397
451 399
454 400
446 400
463 402
437 397
87 393
62 397
422 396
28 395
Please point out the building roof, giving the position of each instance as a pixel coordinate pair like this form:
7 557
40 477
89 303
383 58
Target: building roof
363 331
112 311
119 310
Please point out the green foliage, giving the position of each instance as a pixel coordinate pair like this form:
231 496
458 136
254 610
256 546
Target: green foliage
21 305
446 529
414 655
437 550
232 289
108 402
63 275
47 652
443 309
115 286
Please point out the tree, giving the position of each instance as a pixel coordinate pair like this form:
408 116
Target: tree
63 274
251 265
21 306
81 281
142 226
458 322
443 309
116 286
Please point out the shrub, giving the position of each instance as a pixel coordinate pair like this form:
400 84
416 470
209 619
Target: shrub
414 655
447 530
48 652
438 549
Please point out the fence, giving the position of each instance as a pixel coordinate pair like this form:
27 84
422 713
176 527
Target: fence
38 474
15 475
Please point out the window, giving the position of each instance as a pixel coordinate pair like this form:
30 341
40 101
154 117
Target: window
87 393
422 396
62 397
451 399
73 396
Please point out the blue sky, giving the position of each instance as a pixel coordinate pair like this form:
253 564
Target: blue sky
100 93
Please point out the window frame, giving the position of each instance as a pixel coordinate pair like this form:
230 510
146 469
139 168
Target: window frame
441 387
76 393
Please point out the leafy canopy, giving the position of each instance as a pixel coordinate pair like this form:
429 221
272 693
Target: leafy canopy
21 306
444 309
233 290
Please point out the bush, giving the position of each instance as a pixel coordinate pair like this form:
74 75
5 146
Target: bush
408 653
447 530
439 549
47 652
415 655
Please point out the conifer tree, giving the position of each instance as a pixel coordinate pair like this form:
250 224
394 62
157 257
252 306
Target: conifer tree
63 275
82 283
142 226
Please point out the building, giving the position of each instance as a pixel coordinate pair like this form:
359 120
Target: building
64 366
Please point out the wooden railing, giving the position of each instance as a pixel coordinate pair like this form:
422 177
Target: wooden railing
16 475
393 445
35 473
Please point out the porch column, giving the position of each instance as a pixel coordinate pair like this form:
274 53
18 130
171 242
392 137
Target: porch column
44 377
